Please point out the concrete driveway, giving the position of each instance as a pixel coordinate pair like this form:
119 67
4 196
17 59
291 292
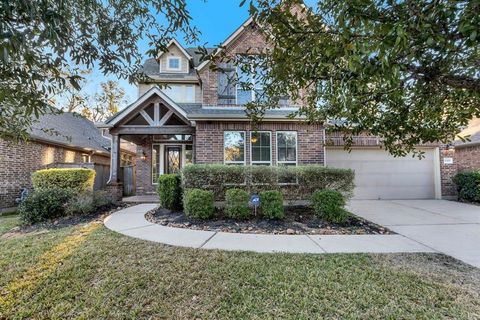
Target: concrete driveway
449 227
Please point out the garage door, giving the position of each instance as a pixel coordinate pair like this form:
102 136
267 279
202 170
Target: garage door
378 175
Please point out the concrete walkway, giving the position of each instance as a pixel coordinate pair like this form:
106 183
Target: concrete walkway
131 222
449 227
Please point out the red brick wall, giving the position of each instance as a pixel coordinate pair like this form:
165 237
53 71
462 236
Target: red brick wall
209 140
18 161
143 168
447 171
467 158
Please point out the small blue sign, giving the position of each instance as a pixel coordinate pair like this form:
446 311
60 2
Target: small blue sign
255 200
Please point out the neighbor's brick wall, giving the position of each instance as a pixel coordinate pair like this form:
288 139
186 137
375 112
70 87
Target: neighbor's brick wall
19 161
467 158
209 140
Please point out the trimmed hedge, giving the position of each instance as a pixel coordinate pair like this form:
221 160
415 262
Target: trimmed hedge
303 180
329 205
236 204
271 204
468 185
45 204
170 191
198 203
77 180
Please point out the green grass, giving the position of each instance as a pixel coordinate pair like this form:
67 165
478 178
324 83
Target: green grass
112 276
8 222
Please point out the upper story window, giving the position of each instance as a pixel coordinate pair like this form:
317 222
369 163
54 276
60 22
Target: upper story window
234 147
249 85
174 64
180 93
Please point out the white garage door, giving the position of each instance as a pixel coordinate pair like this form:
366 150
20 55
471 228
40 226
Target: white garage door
378 175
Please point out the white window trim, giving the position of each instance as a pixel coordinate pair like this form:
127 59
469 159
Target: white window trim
251 147
179 63
244 148
296 147
237 86
183 88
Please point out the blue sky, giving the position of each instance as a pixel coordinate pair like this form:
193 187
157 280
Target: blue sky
216 20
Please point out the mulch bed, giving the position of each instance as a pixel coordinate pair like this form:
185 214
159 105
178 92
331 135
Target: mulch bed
298 220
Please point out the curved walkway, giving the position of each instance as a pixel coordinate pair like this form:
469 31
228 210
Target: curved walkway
131 222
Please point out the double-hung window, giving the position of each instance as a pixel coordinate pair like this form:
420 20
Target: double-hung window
261 147
249 86
174 64
287 148
234 147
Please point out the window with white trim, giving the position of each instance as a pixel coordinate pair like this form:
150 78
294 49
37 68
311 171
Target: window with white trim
287 148
234 147
174 63
253 77
261 147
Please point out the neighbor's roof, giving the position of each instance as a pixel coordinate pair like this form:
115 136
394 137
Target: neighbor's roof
70 130
473 131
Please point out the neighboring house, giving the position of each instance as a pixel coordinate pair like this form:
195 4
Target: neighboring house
467 154
63 140
200 118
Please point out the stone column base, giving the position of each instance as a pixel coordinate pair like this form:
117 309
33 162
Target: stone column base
115 191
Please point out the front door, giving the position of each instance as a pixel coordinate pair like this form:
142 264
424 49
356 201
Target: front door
173 159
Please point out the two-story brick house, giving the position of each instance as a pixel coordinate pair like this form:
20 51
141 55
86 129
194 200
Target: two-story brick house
200 118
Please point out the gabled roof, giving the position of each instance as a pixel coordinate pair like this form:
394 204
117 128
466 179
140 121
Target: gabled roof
473 131
111 122
229 40
70 130
175 42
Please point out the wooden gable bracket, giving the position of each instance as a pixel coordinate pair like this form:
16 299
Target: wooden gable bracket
157 121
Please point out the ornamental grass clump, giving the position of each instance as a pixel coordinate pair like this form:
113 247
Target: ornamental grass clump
236 204
329 205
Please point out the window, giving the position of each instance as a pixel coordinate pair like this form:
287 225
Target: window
86 158
287 148
174 63
234 147
180 93
188 154
244 93
261 148
155 163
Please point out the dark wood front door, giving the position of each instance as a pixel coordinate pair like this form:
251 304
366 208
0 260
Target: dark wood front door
173 159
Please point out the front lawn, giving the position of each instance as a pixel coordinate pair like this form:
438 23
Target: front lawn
89 272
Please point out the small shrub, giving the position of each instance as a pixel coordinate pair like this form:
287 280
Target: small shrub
170 191
198 203
87 203
468 185
236 204
78 180
44 204
271 204
329 205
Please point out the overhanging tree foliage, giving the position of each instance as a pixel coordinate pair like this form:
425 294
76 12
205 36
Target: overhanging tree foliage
41 39
405 70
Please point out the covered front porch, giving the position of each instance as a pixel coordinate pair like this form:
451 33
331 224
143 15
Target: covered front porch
164 137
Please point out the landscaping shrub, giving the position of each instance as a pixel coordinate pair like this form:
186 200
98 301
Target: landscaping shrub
271 204
198 203
87 203
468 185
170 191
44 204
295 182
78 180
329 205
236 204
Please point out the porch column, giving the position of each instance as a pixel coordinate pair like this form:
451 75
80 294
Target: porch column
115 159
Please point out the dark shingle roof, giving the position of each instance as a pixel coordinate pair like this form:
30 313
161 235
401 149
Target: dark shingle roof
69 129
195 111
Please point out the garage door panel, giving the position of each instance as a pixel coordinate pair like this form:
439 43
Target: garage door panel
378 175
